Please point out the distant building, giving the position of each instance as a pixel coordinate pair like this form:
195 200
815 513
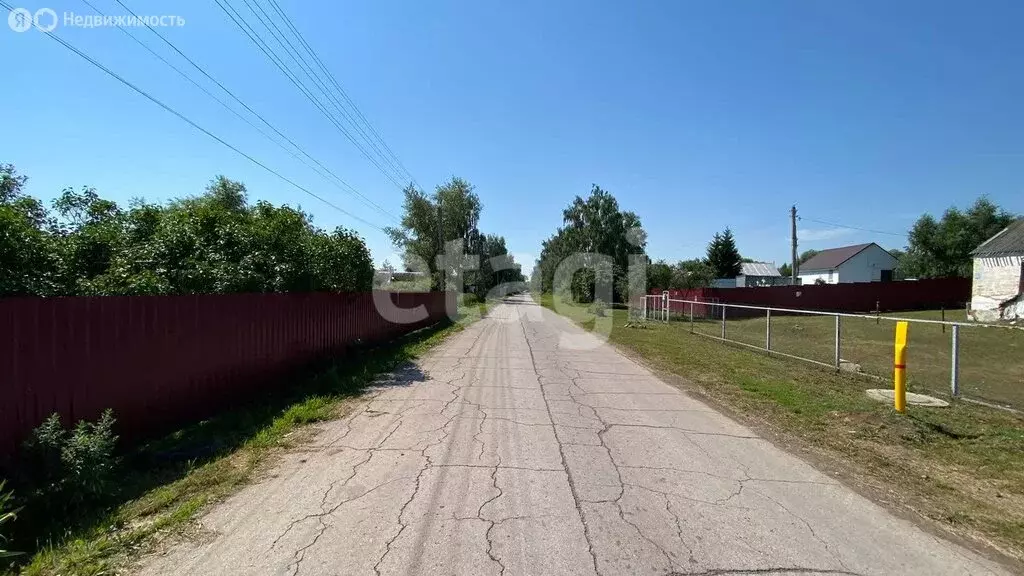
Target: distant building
997 291
386 276
858 263
759 274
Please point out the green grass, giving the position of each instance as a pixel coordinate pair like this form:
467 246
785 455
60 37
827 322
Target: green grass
418 285
962 466
169 482
991 359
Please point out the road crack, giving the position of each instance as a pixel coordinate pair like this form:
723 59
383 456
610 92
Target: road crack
561 451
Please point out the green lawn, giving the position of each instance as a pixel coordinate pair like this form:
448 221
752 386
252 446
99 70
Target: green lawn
961 467
991 359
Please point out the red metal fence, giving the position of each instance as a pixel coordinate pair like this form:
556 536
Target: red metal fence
159 361
857 297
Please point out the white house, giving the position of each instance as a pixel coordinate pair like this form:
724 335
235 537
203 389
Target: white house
997 292
858 263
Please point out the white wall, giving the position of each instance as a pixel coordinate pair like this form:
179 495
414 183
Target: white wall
811 278
867 265
996 280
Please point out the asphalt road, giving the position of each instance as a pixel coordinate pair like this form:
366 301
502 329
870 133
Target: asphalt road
523 446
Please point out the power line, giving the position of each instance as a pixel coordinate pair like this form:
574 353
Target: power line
833 224
348 188
156 101
337 85
221 102
260 43
283 41
253 36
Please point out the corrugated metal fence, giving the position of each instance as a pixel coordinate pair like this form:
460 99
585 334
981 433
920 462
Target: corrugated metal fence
858 297
159 361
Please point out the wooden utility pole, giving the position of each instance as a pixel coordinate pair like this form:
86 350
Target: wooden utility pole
796 264
442 267
440 227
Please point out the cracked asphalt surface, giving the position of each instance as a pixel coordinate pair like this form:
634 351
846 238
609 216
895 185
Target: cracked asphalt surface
525 446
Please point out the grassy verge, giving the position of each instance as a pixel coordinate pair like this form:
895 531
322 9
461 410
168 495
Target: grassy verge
991 359
962 467
169 482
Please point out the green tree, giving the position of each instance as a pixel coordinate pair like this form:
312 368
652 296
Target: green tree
942 248
89 236
212 243
383 276
723 257
28 262
593 225
659 275
808 254
498 268
691 274
452 213
553 251
900 255
429 222
11 183
786 270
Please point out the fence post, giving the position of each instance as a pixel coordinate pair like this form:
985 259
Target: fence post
838 333
954 378
899 389
643 307
664 304
723 322
691 317
768 330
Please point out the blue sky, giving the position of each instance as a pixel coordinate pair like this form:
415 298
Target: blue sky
696 115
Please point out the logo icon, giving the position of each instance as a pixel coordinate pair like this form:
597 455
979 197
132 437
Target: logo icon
40 19
20 19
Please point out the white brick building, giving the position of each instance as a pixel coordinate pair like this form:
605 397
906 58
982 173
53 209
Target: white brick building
997 292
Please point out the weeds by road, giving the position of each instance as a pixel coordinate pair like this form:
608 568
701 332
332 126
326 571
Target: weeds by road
960 466
169 482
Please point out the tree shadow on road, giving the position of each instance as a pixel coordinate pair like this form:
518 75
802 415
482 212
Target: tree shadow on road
404 375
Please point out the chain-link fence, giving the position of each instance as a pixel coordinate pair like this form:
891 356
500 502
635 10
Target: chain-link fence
978 361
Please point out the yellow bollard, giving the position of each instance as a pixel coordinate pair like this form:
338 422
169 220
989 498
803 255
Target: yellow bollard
900 368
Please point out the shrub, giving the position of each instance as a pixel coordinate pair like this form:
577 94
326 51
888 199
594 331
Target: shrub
598 308
8 514
42 454
470 299
88 456
71 467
